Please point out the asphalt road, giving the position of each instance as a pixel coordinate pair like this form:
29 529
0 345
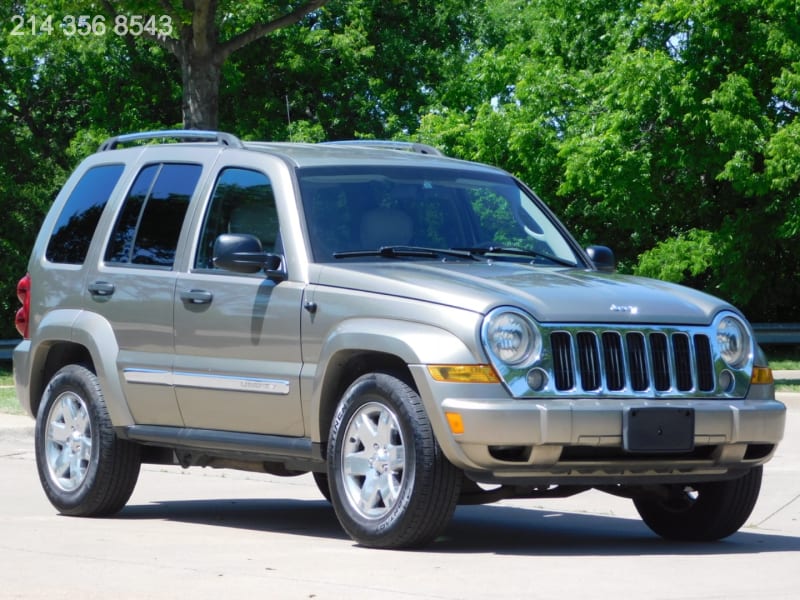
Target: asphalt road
220 534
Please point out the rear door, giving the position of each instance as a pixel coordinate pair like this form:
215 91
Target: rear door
134 284
237 351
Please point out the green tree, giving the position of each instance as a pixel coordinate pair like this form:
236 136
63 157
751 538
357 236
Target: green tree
59 96
660 127
360 68
363 68
202 35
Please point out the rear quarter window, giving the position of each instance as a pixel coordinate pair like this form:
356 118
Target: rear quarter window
78 220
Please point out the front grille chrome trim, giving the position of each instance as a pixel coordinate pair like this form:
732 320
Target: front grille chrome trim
630 361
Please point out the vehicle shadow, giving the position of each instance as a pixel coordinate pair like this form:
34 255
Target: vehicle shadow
493 529
536 532
301 517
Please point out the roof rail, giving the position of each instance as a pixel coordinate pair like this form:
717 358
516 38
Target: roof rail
391 145
223 139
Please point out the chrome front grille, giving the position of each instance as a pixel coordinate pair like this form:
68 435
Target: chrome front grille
630 362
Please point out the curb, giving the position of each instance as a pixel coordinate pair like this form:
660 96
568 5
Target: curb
16 424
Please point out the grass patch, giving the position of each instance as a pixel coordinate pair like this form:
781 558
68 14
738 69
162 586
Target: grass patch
8 395
783 357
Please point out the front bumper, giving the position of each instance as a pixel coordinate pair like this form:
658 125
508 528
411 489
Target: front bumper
580 440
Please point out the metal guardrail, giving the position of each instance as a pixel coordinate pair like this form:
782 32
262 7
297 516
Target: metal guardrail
777 333
7 348
766 333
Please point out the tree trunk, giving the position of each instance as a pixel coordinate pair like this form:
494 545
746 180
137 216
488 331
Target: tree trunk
201 55
201 80
201 66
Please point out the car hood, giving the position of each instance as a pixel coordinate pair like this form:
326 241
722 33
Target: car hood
555 295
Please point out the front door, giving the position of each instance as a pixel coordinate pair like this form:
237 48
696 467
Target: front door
237 350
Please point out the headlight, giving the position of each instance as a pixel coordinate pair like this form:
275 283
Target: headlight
734 342
511 337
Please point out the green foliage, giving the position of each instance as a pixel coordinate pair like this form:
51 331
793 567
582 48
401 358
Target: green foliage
354 69
60 97
306 131
666 129
350 69
685 257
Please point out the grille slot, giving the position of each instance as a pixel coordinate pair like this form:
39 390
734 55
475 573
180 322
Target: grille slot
589 361
563 370
637 358
683 365
614 361
660 354
626 362
705 364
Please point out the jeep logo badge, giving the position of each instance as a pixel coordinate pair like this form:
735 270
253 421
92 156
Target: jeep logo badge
625 309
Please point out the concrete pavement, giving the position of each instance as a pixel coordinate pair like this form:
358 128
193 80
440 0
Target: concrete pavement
203 534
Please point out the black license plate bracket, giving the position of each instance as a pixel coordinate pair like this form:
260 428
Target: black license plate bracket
658 429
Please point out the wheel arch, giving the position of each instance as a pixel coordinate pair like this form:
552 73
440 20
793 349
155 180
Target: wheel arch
77 337
360 346
343 369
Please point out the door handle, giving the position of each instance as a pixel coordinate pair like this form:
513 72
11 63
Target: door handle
196 296
101 288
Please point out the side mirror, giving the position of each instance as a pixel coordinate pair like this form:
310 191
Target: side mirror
242 253
603 258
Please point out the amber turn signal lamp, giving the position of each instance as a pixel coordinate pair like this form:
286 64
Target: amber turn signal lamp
762 375
463 373
455 421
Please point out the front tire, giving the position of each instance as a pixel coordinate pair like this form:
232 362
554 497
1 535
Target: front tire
321 479
391 486
85 470
703 512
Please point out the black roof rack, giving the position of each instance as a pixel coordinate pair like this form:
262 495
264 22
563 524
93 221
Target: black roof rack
223 139
391 145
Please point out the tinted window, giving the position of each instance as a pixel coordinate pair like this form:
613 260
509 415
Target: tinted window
243 202
150 222
119 248
76 223
353 210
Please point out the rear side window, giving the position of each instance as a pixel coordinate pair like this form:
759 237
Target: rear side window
78 219
147 229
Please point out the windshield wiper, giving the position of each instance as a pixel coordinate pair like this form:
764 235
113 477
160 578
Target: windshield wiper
484 250
407 252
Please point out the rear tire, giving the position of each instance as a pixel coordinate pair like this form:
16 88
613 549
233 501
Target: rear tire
391 485
85 470
703 512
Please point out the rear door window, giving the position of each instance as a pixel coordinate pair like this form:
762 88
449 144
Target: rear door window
148 226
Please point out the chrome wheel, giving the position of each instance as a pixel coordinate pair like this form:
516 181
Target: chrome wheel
373 460
390 484
85 469
68 441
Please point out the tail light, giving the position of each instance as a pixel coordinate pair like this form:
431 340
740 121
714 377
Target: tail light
23 314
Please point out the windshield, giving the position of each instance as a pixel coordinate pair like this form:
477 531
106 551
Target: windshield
354 212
